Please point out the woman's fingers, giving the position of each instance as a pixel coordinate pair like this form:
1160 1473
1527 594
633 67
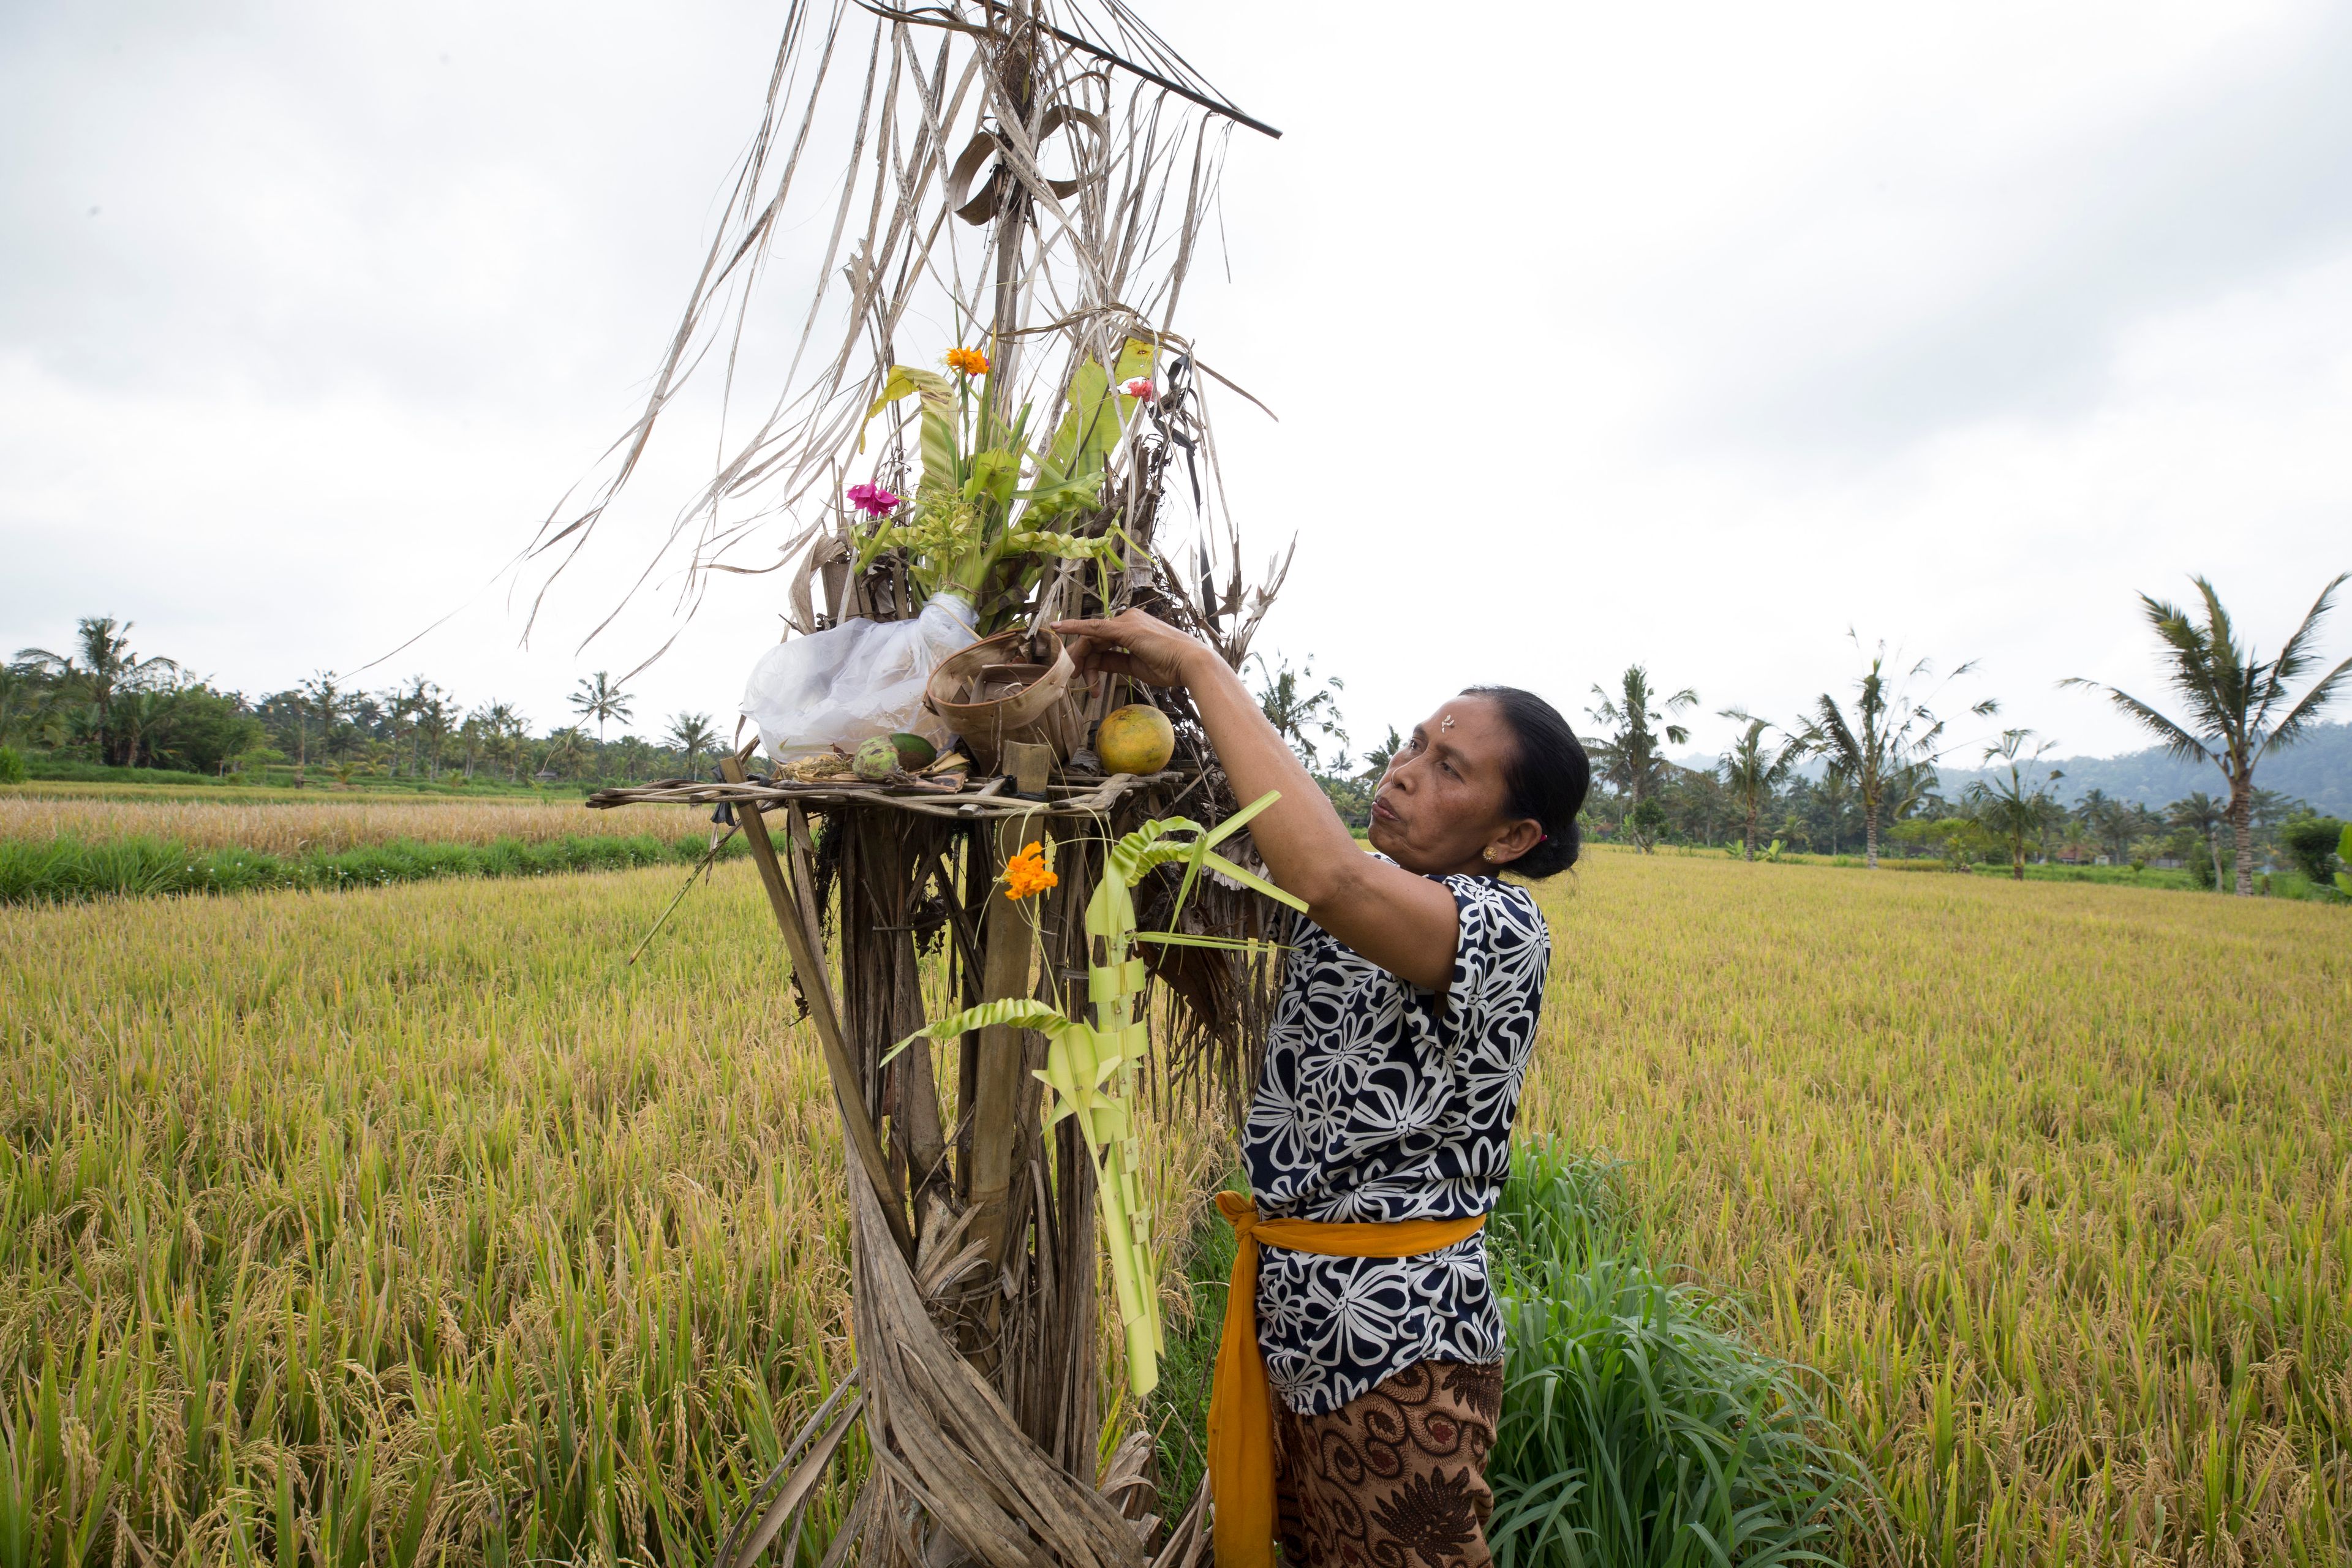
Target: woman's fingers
1134 645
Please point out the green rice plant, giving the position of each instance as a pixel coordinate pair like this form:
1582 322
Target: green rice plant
67 870
1639 1426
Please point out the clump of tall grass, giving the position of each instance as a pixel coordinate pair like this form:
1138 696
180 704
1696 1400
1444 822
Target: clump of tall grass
68 870
1639 1425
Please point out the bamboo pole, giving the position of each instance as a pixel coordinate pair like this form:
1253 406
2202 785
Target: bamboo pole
996 1102
809 965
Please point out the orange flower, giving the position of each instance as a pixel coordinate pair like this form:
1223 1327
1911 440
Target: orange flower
971 361
1025 874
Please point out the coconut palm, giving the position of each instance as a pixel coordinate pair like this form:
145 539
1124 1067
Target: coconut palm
598 699
28 705
1889 737
1632 760
101 669
1836 793
2232 698
321 697
692 734
2018 810
567 751
1752 772
1301 712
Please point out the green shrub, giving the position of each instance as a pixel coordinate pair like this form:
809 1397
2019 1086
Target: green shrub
1638 1425
11 765
2310 844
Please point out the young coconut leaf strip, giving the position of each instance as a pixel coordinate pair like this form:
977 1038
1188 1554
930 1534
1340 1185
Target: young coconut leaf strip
1091 1067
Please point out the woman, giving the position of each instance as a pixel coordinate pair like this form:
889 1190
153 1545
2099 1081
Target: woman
1379 1135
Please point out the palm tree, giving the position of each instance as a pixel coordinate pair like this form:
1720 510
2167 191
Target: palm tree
321 695
101 669
1294 705
1376 760
502 729
2203 815
692 734
600 700
28 705
434 711
1837 797
1751 774
2016 810
567 749
1631 760
1889 736
2231 697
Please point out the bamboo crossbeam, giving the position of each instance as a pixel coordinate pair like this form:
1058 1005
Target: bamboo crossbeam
808 962
1061 800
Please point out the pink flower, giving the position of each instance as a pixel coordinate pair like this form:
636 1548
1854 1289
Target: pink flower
872 500
1141 387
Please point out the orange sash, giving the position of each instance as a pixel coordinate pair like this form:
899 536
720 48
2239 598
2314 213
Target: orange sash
1240 1408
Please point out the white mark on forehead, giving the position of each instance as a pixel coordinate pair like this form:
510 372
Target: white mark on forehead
1446 722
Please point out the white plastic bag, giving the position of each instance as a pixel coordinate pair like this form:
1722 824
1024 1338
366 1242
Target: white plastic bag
853 680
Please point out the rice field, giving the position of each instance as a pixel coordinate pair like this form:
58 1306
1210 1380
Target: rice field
300 826
2051 1183
408 1223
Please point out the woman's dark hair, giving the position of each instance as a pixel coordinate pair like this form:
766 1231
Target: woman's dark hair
1547 779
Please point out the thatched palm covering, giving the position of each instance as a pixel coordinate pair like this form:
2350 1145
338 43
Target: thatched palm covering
1037 175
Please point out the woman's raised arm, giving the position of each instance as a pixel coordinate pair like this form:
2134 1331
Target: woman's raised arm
1400 920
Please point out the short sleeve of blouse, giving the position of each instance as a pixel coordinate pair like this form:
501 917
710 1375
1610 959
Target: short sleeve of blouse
1502 937
1472 960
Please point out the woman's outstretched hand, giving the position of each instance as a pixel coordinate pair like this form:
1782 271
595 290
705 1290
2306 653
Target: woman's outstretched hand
1132 644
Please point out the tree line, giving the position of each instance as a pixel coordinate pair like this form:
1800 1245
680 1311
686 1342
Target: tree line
103 703
1864 773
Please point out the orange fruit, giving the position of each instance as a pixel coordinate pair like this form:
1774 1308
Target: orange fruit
1135 738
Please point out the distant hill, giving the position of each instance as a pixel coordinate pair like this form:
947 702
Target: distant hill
2317 768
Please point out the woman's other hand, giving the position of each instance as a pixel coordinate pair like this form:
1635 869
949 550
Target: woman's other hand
1143 647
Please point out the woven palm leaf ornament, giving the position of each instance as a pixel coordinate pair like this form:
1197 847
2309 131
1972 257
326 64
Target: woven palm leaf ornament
1091 1066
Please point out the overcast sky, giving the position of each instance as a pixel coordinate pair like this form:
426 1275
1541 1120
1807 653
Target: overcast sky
1681 334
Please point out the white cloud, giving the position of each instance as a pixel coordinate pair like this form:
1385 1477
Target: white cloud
1692 334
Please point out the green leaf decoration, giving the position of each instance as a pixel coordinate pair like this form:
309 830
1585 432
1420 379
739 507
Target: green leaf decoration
1011 1011
994 473
1091 1066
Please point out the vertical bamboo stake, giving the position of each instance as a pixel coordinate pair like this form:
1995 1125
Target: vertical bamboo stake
809 965
995 1108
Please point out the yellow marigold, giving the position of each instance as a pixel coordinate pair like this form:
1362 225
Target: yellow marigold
1025 874
971 361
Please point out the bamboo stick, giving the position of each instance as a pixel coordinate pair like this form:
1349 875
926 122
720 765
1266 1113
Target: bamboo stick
996 1102
809 965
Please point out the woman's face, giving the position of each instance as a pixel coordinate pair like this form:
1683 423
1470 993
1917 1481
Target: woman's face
1444 802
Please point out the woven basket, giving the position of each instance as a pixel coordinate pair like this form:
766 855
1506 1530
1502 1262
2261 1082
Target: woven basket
989 694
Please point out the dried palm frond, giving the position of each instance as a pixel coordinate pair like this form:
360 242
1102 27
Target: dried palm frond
1034 177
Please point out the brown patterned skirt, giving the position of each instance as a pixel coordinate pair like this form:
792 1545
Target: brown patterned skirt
1396 1477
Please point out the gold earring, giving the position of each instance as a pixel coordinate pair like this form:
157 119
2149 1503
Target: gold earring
1490 854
